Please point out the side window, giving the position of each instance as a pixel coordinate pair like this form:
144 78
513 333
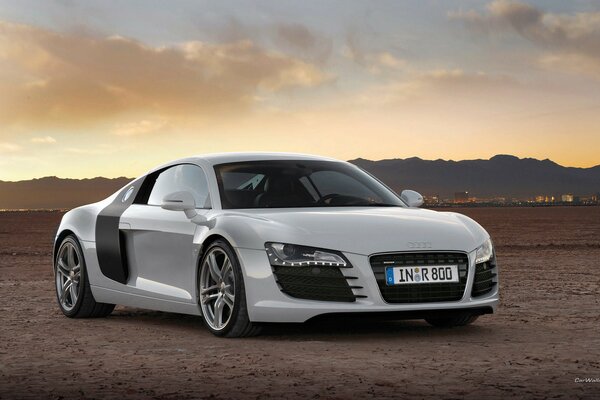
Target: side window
241 180
186 177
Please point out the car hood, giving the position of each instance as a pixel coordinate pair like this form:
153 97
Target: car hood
361 230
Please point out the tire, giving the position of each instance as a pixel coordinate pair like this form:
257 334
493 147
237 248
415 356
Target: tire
71 267
216 289
452 321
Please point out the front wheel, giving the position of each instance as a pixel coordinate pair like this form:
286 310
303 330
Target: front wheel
222 293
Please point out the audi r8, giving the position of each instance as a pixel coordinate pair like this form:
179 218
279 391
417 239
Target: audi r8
243 239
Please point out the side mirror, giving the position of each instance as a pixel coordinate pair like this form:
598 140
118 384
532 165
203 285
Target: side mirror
412 198
180 201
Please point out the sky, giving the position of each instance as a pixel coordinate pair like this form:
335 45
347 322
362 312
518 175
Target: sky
107 88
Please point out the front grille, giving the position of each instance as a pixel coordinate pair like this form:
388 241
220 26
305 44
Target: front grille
315 283
485 278
420 292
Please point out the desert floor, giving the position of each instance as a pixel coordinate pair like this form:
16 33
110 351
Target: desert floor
545 335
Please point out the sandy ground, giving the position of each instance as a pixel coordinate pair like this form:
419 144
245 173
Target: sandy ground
545 335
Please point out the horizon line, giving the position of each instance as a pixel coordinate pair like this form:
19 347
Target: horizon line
350 160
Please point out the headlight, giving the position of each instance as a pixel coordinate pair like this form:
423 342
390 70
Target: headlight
484 252
282 254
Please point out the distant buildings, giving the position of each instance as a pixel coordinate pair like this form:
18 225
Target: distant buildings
461 197
544 199
435 199
567 198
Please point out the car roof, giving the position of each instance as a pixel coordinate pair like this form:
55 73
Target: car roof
222 158
212 159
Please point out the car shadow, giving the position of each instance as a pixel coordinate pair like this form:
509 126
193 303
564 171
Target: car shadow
324 328
357 328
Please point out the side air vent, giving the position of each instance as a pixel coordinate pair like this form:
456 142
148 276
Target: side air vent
315 283
485 278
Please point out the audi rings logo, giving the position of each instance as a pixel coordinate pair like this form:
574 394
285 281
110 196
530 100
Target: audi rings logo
419 245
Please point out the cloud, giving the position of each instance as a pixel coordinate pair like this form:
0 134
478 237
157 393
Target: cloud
296 35
448 80
291 38
384 61
502 14
353 48
99 149
375 63
9 147
388 60
142 127
43 140
373 60
445 86
566 39
303 41
571 62
49 78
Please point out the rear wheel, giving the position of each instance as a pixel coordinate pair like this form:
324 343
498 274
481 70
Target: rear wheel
73 290
222 293
452 321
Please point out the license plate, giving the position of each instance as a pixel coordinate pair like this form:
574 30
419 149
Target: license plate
421 274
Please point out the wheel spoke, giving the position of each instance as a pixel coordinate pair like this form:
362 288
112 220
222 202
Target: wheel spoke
73 290
210 297
209 289
65 290
226 268
70 256
62 268
215 272
76 277
229 300
219 312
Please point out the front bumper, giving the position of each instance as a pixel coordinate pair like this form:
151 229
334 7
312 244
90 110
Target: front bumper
266 302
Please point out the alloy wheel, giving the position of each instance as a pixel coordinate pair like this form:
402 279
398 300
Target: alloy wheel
68 275
217 288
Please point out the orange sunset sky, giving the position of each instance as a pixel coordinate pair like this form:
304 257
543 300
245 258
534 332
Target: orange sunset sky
100 88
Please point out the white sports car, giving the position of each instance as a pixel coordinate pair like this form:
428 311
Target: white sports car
248 238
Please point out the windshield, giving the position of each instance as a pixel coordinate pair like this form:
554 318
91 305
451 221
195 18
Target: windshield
289 183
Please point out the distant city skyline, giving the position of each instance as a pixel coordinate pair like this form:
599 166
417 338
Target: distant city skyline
103 88
466 198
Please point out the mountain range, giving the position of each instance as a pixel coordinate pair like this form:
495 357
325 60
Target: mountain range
501 175
52 192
